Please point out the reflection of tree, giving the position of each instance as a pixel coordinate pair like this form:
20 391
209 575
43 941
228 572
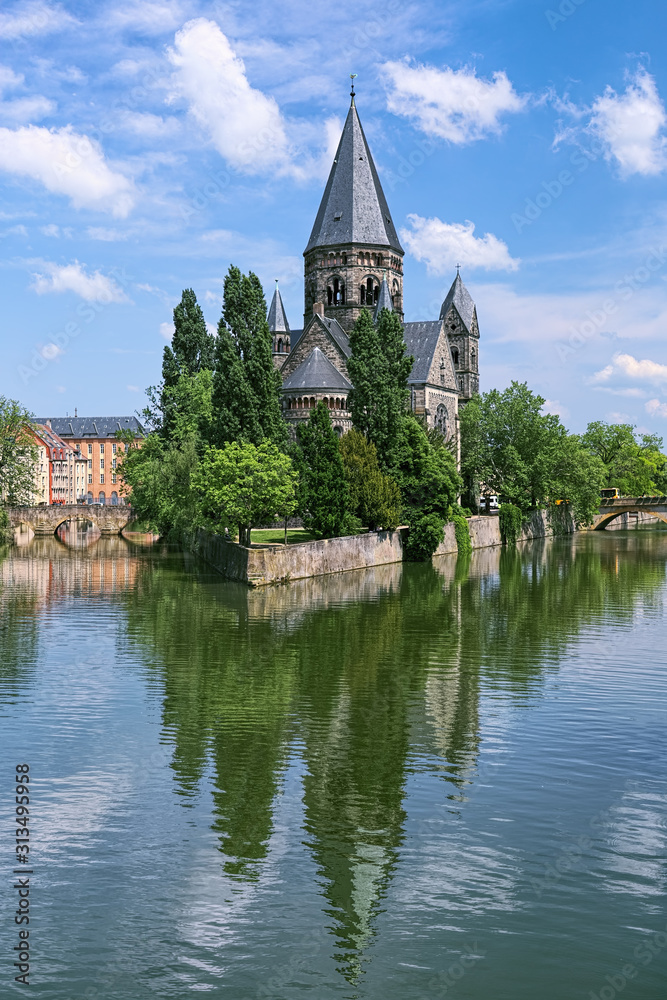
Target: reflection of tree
19 632
372 686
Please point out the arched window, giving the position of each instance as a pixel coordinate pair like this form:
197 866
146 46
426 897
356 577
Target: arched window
338 430
472 357
461 384
441 418
329 295
455 356
280 345
338 292
369 292
312 402
114 498
89 496
102 497
338 404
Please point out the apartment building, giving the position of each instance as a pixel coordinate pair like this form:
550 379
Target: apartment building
59 469
101 451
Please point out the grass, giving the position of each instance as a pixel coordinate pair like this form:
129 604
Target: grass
276 536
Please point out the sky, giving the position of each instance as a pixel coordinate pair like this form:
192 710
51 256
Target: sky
145 147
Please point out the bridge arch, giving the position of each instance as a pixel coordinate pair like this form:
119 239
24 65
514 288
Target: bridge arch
110 520
607 516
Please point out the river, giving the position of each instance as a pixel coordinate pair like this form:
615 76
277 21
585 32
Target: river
421 781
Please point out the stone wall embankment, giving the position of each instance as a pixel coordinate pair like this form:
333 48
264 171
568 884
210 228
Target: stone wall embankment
266 564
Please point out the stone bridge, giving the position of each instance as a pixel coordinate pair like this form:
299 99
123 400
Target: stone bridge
609 509
46 520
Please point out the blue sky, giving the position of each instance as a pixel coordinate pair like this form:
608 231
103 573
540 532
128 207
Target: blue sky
146 146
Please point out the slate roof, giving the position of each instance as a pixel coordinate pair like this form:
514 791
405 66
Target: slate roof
93 427
353 207
295 337
338 334
316 373
459 296
277 317
421 340
384 301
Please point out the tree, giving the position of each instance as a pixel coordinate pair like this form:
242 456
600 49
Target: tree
18 454
426 475
634 467
158 477
191 352
246 388
374 498
324 494
508 444
379 370
577 475
242 485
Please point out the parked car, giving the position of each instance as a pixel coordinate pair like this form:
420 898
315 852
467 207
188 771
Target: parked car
489 502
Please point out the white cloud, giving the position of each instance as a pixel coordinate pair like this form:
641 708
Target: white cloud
95 287
656 408
631 126
167 330
26 109
34 18
106 235
245 126
9 79
627 367
442 245
451 104
50 230
212 329
133 388
147 17
149 126
68 163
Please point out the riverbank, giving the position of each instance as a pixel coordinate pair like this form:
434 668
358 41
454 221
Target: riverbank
268 564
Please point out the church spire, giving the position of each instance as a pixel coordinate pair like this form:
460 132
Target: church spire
277 317
353 208
384 301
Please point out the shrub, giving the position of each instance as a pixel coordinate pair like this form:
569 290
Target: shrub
6 531
424 537
511 522
462 532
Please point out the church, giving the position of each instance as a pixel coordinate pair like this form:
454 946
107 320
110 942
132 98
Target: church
354 260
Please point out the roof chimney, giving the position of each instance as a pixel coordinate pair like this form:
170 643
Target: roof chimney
318 309
75 412
48 422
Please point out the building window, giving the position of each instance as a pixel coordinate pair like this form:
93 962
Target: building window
113 479
101 479
90 479
102 448
113 463
455 356
101 464
441 418
90 449
90 463
113 448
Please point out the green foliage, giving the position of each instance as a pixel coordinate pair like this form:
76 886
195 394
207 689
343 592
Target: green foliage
511 522
427 476
375 499
18 454
635 467
577 476
426 533
158 476
379 370
246 387
462 532
241 485
191 353
323 493
6 530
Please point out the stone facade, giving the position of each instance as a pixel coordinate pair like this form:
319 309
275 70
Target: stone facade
354 260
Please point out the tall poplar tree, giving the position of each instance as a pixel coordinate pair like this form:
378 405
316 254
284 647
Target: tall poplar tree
191 352
379 369
324 495
246 386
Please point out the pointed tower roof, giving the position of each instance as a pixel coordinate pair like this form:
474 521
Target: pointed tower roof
459 296
277 317
353 207
384 301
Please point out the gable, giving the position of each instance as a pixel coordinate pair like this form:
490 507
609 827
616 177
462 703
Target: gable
441 369
316 334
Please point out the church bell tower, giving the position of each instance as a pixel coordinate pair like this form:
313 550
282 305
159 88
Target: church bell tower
354 244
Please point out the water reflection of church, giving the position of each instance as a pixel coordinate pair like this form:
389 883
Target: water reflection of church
354 260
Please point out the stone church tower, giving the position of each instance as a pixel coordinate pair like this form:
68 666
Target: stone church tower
354 243
354 260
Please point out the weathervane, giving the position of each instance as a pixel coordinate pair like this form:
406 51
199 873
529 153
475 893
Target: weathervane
458 268
353 77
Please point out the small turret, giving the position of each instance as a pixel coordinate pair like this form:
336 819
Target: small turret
384 301
459 315
278 328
